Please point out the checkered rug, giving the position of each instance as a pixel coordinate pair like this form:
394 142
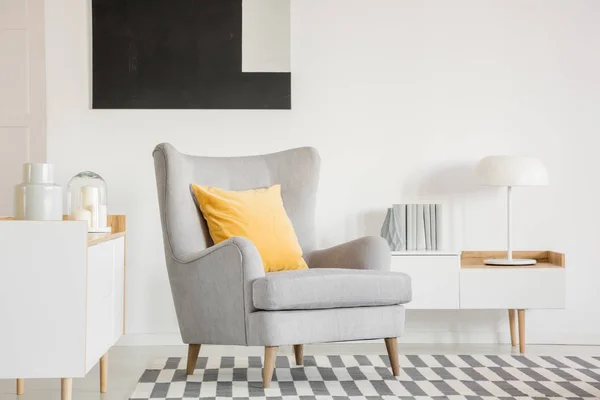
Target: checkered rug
369 377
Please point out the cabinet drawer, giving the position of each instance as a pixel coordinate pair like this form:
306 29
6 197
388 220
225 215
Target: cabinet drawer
119 298
104 298
435 280
518 288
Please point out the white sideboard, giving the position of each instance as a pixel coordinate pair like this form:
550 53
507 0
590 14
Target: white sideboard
62 295
452 280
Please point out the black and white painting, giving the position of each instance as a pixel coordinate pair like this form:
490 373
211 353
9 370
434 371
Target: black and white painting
191 54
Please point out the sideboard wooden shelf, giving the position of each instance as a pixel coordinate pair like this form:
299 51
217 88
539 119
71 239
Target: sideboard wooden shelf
66 291
95 238
545 259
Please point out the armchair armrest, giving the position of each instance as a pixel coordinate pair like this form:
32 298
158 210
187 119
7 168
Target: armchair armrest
370 252
245 246
212 290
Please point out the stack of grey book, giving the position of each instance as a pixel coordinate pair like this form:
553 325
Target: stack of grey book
412 227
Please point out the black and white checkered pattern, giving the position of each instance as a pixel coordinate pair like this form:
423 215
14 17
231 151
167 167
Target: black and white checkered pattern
369 377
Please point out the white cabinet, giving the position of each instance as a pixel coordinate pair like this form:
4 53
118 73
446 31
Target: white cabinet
435 278
462 281
61 297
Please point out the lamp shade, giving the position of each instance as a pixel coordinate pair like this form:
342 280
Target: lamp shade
511 171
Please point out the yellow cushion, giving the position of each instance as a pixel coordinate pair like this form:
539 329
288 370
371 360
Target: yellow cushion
257 215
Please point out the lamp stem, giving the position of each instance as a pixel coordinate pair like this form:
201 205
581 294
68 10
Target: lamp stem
508 225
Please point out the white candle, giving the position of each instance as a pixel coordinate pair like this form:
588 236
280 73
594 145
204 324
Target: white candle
102 216
82 214
89 196
91 201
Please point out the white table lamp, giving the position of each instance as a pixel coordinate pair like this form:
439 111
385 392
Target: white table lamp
511 171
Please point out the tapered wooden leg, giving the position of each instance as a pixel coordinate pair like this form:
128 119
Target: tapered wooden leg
391 344
20 386
193 351
513 328
103 373
66 388
269 364
521 314
299 353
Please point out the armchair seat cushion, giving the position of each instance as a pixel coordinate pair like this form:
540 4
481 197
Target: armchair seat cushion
326 288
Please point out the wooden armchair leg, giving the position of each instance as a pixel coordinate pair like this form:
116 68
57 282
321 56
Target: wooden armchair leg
269 365
391 344
299 353
193 351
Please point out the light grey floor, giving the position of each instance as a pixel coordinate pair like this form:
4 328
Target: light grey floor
126 364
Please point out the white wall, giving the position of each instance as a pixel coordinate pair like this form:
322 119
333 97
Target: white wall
401 98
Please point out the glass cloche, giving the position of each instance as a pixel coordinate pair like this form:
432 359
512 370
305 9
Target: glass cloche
86 201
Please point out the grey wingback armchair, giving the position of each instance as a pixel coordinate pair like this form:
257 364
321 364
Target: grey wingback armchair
221 292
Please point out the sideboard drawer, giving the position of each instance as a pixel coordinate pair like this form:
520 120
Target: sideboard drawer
435 280
512 288
104 298
119 297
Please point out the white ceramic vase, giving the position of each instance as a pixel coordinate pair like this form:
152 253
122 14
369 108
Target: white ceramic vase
38 198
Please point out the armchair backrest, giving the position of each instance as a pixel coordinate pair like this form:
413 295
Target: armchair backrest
185 230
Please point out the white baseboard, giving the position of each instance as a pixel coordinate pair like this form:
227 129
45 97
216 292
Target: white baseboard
413 337
479 337
150 339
